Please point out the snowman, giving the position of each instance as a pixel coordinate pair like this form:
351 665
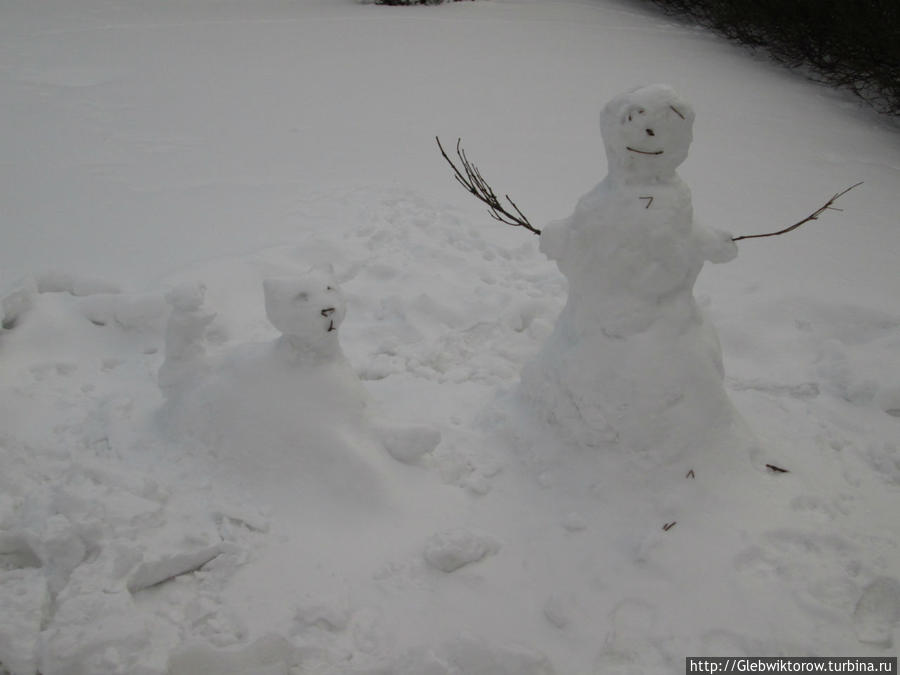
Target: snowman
632 360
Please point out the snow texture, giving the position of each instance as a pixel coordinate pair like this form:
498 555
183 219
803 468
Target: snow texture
187 488
24 599
632 359
268 655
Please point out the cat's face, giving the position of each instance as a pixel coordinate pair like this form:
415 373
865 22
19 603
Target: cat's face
308 309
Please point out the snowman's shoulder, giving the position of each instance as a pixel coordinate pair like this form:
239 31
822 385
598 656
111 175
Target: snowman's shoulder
593 199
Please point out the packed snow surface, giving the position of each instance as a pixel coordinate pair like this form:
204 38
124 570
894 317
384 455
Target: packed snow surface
217 454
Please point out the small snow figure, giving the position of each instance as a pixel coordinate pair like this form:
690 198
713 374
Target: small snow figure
308 315
185 328
288 417
632 358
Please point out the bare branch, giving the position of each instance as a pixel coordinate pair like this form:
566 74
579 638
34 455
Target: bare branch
812 216
475 184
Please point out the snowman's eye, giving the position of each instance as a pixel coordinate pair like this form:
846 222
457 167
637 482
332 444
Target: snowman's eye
301 297
635 111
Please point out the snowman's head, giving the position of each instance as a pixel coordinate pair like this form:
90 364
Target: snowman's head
307 309
647 132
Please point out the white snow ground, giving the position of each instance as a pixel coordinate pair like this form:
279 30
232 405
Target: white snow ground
149 143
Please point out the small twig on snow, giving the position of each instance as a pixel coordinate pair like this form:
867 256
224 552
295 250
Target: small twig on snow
474 183
812 216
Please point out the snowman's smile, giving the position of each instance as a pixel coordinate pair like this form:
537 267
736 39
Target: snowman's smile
643 152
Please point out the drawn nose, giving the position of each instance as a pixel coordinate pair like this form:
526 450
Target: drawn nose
650 132
328 311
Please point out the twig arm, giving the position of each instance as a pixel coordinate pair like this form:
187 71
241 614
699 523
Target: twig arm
475 184
827 206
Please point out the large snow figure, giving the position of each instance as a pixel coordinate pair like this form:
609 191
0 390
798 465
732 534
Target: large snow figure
632 360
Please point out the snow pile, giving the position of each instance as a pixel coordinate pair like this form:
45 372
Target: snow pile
78 544
632 359
246 514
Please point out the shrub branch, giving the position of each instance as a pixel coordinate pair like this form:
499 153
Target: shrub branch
475 184
827 206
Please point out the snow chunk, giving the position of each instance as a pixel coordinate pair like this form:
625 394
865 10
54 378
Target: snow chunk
452 549
93 633
332 617
555 612
24 598
574 522
409 444
877 612
269 655
470 655
161 566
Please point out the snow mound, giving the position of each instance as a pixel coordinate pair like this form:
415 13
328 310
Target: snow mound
450 550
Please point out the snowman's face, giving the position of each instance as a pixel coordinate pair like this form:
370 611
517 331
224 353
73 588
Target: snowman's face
647 132
309 309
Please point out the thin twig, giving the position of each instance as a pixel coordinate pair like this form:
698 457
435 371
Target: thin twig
475 184
812 216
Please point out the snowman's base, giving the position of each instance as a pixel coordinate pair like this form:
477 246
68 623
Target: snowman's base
658 392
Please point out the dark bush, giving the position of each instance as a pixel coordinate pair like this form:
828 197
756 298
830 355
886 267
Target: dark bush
852 44
412 2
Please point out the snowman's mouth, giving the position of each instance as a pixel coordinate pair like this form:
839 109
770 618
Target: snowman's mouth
327 312
643 152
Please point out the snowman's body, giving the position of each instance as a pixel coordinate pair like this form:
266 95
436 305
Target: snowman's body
632 358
